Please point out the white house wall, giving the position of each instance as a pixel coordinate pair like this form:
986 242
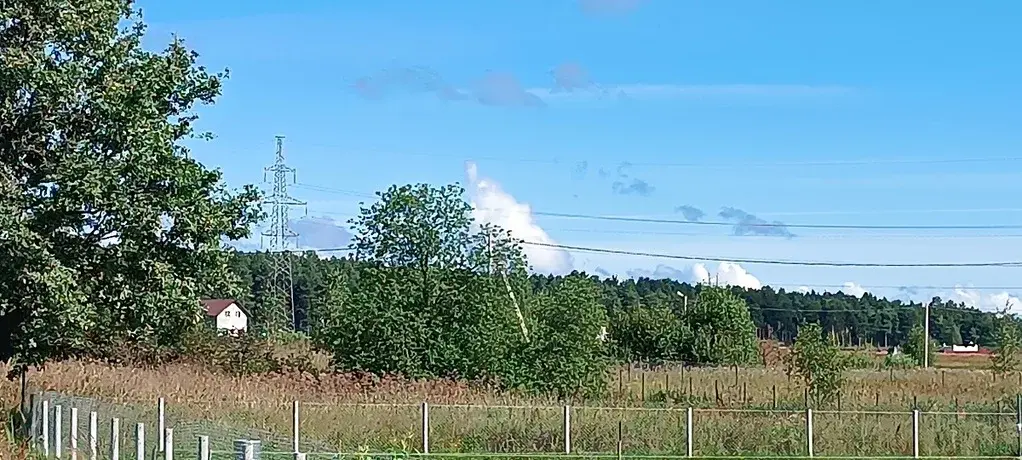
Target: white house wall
232 318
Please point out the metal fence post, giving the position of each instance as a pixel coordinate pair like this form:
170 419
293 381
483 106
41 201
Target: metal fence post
93 435
33 421
915 433
168 449
140 441
203 447
161 413
46 428
58 437
115 439
425 427
567 429
1018 421
73 433
294 424
688 431
809 431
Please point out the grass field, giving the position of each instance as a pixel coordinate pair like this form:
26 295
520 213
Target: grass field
757 411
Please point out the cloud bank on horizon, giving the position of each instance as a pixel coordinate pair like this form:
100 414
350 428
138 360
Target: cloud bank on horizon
493 205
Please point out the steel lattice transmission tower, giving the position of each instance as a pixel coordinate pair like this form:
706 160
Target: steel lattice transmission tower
282 240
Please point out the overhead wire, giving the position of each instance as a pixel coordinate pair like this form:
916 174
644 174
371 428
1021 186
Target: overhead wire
801 263
823 236
770 261
778 224
716 164
775 225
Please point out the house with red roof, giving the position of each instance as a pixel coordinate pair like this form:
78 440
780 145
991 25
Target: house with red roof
227 315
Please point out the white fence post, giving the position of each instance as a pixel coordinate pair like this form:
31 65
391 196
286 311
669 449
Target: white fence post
245 449
115 439
140 441
688 431
73 433
46 428
809 431
295 424
567 429
168 449
425 427
58 437
1018 422
161 413
93 435
203 447
915 433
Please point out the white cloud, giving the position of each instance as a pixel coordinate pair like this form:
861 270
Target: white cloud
729 274
982 301
493 205
853 289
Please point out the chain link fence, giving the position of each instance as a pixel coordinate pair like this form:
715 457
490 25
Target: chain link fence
62 423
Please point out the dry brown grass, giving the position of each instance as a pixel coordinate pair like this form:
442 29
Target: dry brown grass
10 448
341 413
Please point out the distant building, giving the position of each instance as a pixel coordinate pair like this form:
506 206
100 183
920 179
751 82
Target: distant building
965 348
227 315
970 348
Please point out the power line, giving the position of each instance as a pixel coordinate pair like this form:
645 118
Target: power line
802 263
779 285
812 236
742 162
823 236
775 225
920 286
778 224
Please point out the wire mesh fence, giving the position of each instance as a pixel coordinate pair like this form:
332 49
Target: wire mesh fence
62 424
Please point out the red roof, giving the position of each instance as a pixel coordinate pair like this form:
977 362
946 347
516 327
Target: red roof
216 306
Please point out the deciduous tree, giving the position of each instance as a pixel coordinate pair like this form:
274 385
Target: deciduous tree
1009 343
722 329
817 363
103 201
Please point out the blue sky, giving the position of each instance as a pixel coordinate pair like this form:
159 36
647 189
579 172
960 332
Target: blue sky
803 112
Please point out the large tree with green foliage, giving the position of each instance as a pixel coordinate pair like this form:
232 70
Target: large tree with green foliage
722 330
110 232
431 295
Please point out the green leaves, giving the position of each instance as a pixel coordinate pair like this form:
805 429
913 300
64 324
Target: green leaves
1009 344
817 363
915 346
567 356
722 329
91 126
434 295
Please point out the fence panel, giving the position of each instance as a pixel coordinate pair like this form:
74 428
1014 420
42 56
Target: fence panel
496 429
359 427
360 430
639 431
727 432
862 433
983 434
